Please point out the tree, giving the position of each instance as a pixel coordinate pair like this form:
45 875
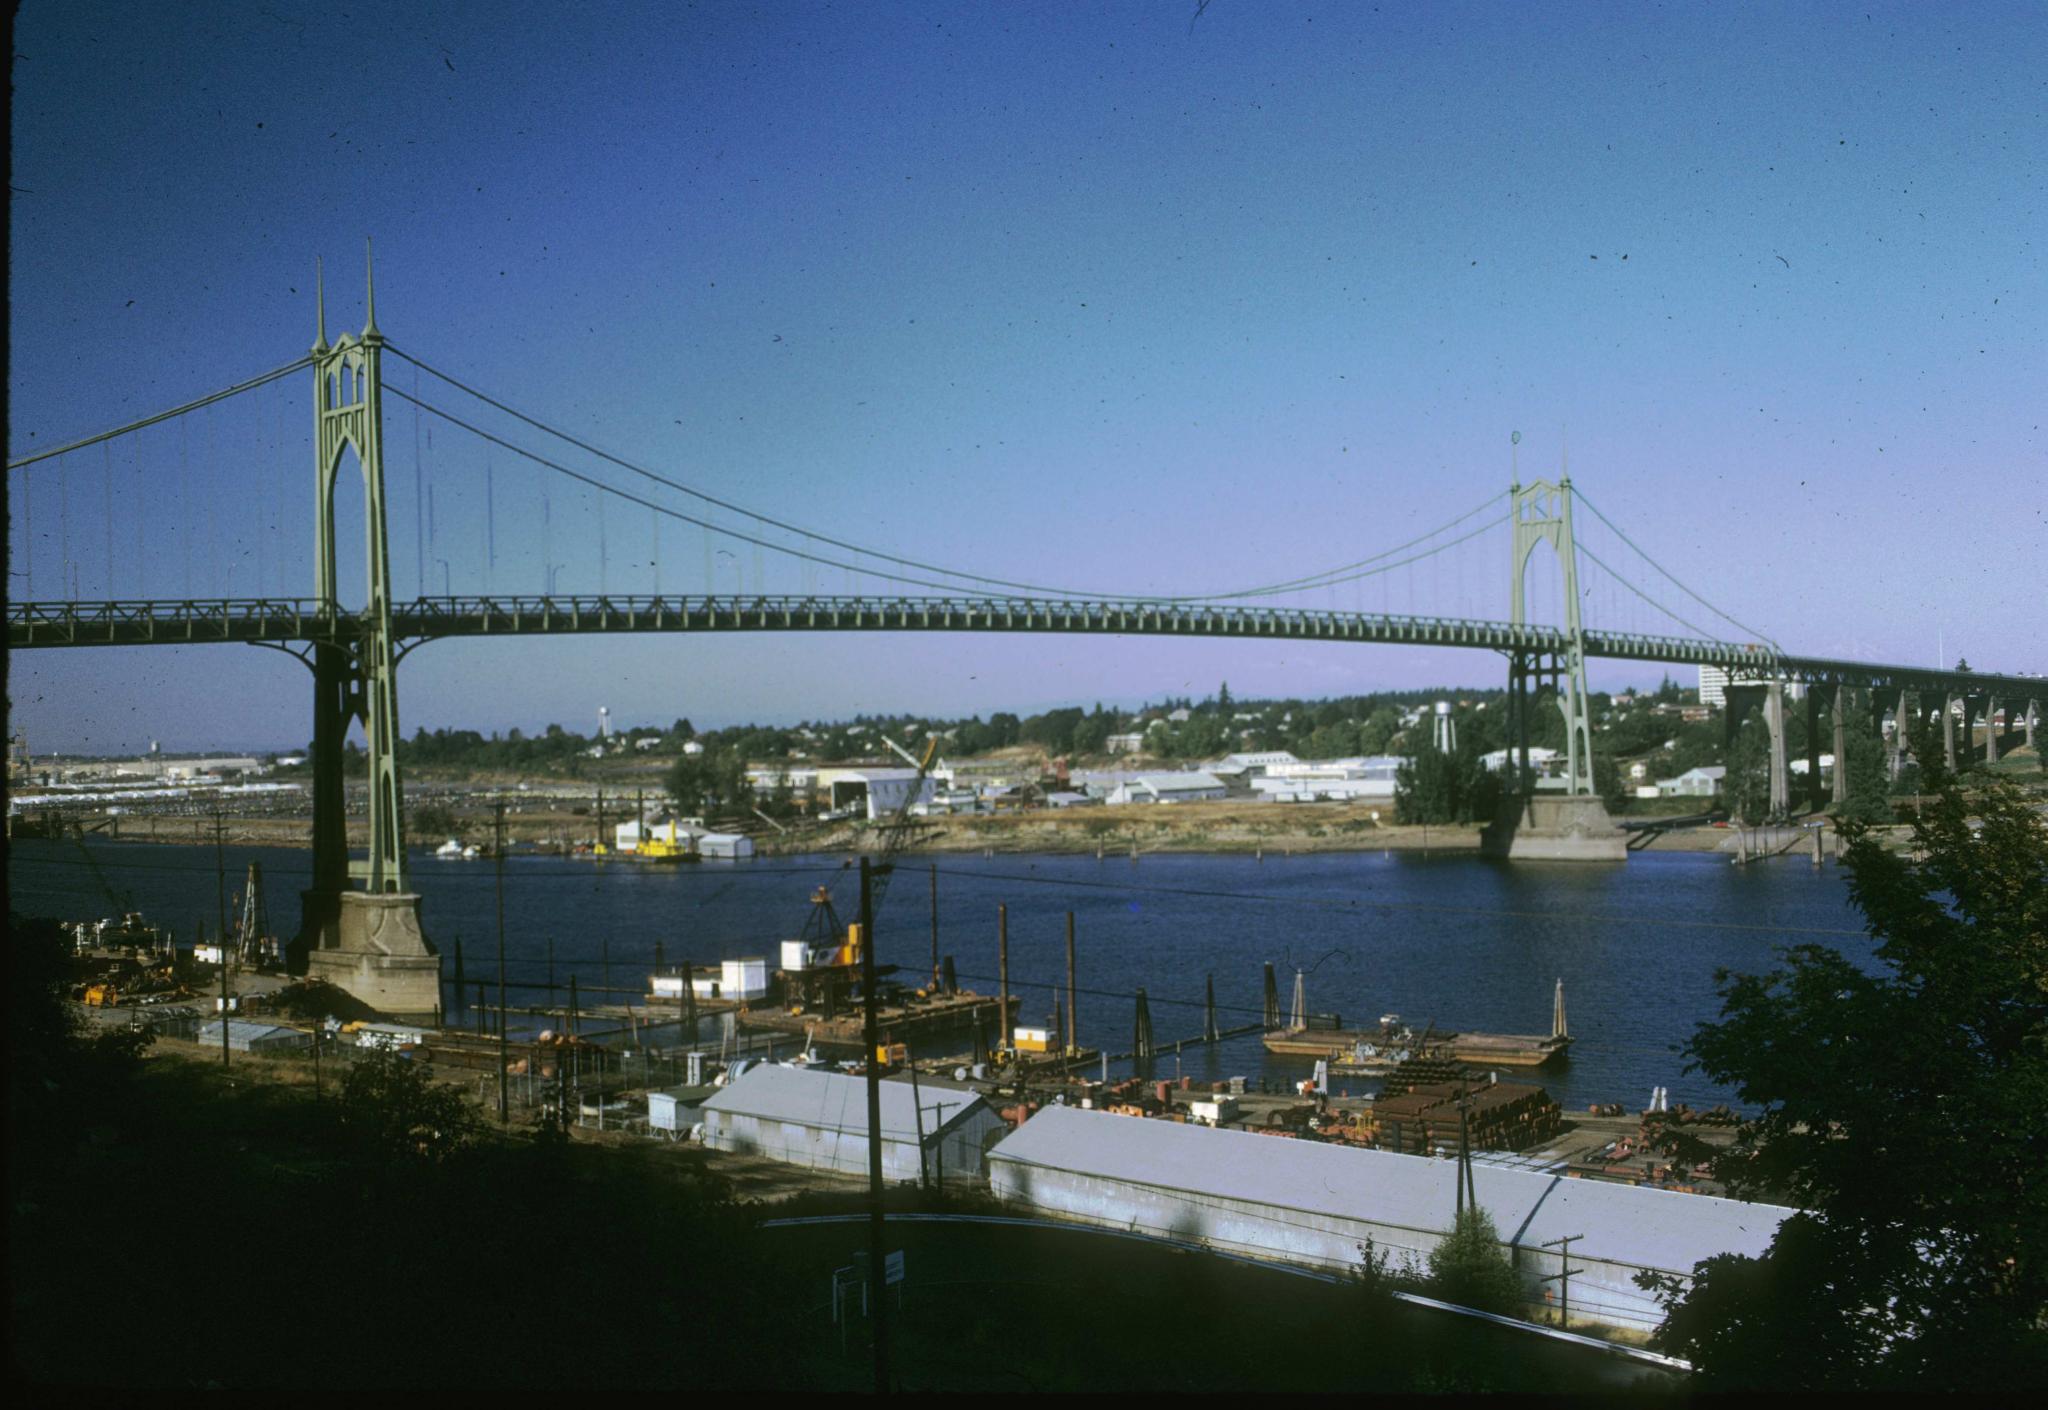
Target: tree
1903 1107
1468 1267
1747 786
1866 777
1378 730
392 1110
431 820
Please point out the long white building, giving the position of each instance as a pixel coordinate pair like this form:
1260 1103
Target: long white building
1309 1203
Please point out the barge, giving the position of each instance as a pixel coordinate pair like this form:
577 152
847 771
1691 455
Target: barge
1375 1051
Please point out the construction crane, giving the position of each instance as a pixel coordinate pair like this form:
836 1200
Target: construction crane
831 949
122 901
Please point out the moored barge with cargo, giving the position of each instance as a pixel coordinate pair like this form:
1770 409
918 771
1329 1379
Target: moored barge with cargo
1381 1049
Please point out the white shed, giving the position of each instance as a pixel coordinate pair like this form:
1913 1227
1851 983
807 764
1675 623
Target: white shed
817 1117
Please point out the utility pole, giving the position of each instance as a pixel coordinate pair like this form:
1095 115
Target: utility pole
1468 1196
223 1006
498 858
1003 978
1073 994
1563 1278
924 1181
877 1229
220 881
935 926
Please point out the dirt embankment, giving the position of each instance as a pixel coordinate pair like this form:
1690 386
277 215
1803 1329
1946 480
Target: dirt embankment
1182 827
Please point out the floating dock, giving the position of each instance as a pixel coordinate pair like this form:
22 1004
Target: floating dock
940 1016
1378 1050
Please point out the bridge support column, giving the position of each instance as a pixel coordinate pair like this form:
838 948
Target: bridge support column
2033 710
1969 753
1948 731
1840 791
320 903
1896 760
1774 721
1991 730
1816 796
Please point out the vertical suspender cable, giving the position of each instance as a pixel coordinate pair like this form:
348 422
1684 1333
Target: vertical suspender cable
185 501
64 529
141 518
266 448
107 467
210 473
419 543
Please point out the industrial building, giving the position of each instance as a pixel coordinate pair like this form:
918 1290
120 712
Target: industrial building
256 1037
818 1118
1311 1203
1195 786
875 791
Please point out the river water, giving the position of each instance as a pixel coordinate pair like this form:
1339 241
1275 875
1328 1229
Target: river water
1463 942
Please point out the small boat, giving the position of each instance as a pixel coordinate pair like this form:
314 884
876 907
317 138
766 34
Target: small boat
450 848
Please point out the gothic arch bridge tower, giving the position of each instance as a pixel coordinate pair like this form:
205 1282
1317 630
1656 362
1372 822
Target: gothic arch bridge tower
1567 822
365 940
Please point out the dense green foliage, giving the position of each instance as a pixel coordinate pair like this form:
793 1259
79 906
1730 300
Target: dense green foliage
1469 1268
1747 787
1866 778
714 781
1904 1109
1434 787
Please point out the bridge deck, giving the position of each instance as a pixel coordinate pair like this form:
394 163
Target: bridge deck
285 620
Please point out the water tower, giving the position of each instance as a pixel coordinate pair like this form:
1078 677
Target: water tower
604 722
1446 728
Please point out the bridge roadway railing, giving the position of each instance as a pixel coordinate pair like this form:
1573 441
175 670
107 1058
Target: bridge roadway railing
135 623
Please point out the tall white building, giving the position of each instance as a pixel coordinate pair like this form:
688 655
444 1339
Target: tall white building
1713 686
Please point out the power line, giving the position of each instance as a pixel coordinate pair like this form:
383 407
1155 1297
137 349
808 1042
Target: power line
1203 893
1342 903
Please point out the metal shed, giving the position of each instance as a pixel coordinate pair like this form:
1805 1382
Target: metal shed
1311 1203
818 1118
256 1037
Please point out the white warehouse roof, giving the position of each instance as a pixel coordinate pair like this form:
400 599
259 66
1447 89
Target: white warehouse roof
838 1101
1660 1229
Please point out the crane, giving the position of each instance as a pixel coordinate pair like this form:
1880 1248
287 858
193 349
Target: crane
832 950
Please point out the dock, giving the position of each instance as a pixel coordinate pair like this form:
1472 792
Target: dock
922 1020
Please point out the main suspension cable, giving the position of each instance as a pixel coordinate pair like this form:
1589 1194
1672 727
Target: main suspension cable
1312 580
1752 631
1643 595
223 395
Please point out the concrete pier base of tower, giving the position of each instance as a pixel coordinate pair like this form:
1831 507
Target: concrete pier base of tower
380 955
1554 827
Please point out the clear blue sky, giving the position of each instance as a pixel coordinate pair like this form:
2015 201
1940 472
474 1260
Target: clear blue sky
1084 295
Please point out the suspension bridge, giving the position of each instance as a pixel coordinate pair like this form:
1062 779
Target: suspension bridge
153 520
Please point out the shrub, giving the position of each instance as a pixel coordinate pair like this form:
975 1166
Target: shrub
1470 1269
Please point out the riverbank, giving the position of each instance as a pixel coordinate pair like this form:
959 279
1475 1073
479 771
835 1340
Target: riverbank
1224 827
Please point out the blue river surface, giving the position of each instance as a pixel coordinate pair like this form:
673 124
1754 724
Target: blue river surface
1456 940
